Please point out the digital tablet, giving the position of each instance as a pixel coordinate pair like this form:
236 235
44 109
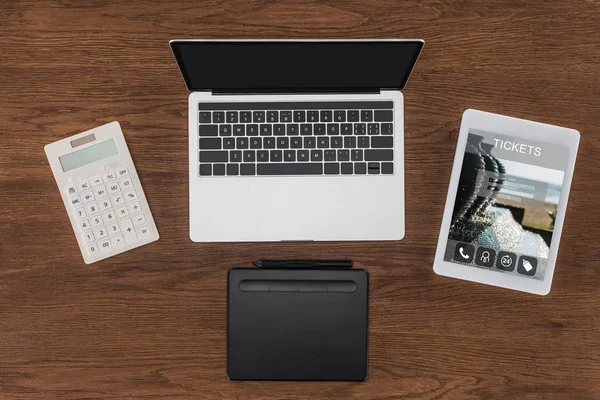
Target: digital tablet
506 202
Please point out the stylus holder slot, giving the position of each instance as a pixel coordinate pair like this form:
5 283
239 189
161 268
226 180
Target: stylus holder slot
307 286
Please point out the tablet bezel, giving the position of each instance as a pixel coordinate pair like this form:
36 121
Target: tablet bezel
529 130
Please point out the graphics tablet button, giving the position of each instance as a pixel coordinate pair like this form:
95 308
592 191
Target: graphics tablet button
527 265
485 257
506 261
464 253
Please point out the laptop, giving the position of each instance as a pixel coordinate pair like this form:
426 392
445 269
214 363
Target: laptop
296 140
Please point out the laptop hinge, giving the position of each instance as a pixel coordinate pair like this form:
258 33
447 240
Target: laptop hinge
299 91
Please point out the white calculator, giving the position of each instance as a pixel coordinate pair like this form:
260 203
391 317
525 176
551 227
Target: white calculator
102 192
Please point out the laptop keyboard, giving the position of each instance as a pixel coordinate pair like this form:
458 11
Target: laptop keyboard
296 138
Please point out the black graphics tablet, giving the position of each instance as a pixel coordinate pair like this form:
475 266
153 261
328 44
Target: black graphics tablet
297 324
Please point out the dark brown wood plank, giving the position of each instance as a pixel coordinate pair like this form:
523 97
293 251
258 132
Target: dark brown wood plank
150 323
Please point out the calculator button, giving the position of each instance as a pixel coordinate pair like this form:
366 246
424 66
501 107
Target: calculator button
113 188
114 228
93 249
101 233
101 192
87 196
126 183
117 241
89 237
111 176
71 189
91 208
122 172
139 220
109 217
80 212
144 231
84 225
105 245
75 200
131 195
84 184
105 204
122 212
118 200
97 180
135 207
128 230
97 221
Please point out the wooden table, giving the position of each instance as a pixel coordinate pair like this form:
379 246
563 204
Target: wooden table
150 323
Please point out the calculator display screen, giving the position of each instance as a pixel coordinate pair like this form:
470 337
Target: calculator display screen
88 155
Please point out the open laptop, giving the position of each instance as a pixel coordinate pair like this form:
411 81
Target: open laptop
296 140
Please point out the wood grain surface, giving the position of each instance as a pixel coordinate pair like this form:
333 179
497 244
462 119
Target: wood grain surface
150 323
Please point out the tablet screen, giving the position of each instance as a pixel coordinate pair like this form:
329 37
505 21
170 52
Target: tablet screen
506 204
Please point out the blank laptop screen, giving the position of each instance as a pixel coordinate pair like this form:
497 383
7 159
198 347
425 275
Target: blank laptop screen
295 65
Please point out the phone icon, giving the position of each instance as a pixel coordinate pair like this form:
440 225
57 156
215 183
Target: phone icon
464 253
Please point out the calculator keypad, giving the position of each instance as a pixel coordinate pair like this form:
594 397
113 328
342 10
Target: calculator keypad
108 211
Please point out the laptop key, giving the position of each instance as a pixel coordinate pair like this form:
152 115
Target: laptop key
233 169
333 129
232 117
323 142
379 155
337 142
242 143
339 116
266 130
382 142
343 155
235 156
387 168
346 129
320 129
262 156
276 155
306 129
366 115
316 155
219 169
225 130
373 129
296 143
289 155
303 155
329 155
360 168
228 143
363 142
353 116
285 116
312 116
347 169
373 168
292 129
272 116
384 115
245 116
299 116
205 170
210 143
309 142
239 130
258 116
357 155
213 156
350 142
279 129
256 143
360 129
252 130
247 169
332 168
218 117
204 117
249 156
387 129
326 116
290 169
269 143
208 130
283 143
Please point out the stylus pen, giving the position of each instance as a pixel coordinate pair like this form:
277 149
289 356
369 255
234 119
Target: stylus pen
308 264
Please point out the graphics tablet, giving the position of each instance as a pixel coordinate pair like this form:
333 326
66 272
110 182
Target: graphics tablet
506 202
